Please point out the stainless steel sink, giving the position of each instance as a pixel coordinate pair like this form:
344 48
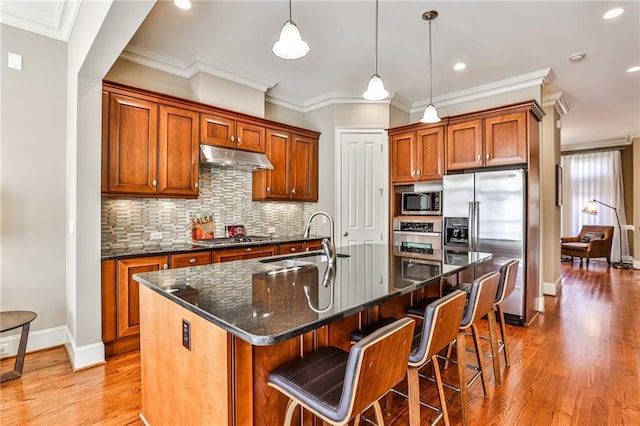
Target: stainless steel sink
281 266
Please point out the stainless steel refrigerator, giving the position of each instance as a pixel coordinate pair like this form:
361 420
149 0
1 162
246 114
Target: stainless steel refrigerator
494 202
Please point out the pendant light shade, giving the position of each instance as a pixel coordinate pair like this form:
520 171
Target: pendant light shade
375 89
431 113
290 45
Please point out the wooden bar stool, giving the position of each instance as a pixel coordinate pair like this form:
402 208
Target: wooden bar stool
439 328
336 385
10 320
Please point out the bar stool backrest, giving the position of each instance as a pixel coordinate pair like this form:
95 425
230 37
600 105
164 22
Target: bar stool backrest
508 274
439 327
481 298
376 364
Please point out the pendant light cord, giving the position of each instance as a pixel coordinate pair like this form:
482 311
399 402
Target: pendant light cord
430 68
290 11
376 56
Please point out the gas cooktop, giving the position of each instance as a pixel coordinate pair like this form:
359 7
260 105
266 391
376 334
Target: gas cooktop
212 242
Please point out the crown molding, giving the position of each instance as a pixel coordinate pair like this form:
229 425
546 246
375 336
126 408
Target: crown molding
556 100
607 143
284 103
53 18
498 87
402 103
193 65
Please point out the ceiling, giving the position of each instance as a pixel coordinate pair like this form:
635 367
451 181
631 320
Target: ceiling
502 44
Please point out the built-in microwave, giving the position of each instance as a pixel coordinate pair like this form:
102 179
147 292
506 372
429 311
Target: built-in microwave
421 203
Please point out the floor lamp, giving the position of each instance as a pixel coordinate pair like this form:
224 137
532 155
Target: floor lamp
592 208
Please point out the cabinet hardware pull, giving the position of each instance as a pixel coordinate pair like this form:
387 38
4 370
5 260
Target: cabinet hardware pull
293 249
417 172
479 157
293 191
233 138
268 189
154 182
165 266
239 139
192 261
249 249
487 156
196 185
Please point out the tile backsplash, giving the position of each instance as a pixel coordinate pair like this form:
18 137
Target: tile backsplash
129 222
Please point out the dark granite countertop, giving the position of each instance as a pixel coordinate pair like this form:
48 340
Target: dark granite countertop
149 248
266 301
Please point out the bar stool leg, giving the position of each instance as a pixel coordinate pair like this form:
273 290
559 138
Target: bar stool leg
443 400
462 372
503 332
22 349
495 355
291 407
476 343
413 382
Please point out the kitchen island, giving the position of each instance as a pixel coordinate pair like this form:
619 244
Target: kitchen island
211 334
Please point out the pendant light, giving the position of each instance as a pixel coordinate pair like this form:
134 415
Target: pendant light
431 113
290 45
375 89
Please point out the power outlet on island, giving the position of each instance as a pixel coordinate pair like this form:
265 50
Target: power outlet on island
186 334
156 236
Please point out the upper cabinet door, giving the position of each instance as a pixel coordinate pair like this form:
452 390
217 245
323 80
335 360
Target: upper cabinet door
133 140
304 169
104 187
430 154
506 139
402 157
279 153
178 151
217 130
250 137
464 145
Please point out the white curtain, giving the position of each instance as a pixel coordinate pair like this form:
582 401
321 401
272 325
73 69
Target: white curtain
596 175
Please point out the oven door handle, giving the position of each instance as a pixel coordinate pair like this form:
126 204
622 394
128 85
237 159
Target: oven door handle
427 234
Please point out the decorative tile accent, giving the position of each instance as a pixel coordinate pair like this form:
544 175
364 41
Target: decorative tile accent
128 222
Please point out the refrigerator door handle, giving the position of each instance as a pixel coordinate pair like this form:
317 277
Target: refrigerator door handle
476 225
472 212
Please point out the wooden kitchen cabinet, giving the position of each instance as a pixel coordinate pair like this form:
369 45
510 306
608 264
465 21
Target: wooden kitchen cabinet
487 141
312 245
295 168
151 149
120 301
417 155
243 253
224 131
289 248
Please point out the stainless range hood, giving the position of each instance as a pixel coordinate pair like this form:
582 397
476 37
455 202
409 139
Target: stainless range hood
233 158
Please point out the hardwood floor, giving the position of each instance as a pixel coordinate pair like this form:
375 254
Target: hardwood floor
578 364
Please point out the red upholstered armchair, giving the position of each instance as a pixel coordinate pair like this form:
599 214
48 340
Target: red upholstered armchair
593 241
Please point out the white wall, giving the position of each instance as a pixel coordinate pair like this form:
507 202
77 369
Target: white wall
32 178
137 75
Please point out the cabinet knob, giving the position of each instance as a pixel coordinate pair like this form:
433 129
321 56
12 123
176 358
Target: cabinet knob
197 185
487 157
233 138
293 249
479 157
192 261
293 191
417 172
249 249
165 266
413 173
239 139
154 182
268 189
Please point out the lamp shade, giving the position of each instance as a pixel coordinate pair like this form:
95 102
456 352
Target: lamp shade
430 115
290 45
375 89
591 208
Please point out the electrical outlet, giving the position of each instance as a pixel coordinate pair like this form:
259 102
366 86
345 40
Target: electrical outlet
186 334
4 349
156 236
271 230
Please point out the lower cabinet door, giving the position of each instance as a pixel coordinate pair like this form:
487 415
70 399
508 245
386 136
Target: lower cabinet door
128 290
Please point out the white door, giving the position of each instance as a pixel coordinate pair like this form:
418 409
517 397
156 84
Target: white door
361 186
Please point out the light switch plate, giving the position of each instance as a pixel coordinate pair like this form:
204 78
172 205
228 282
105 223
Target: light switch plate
14 61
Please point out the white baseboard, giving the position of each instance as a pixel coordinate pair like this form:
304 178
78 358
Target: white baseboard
80 357
552 289
84 356
540 304
40 339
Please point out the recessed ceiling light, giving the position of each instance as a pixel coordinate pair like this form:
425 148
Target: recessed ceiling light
613 13
577 57
459 66
183 4
635 68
